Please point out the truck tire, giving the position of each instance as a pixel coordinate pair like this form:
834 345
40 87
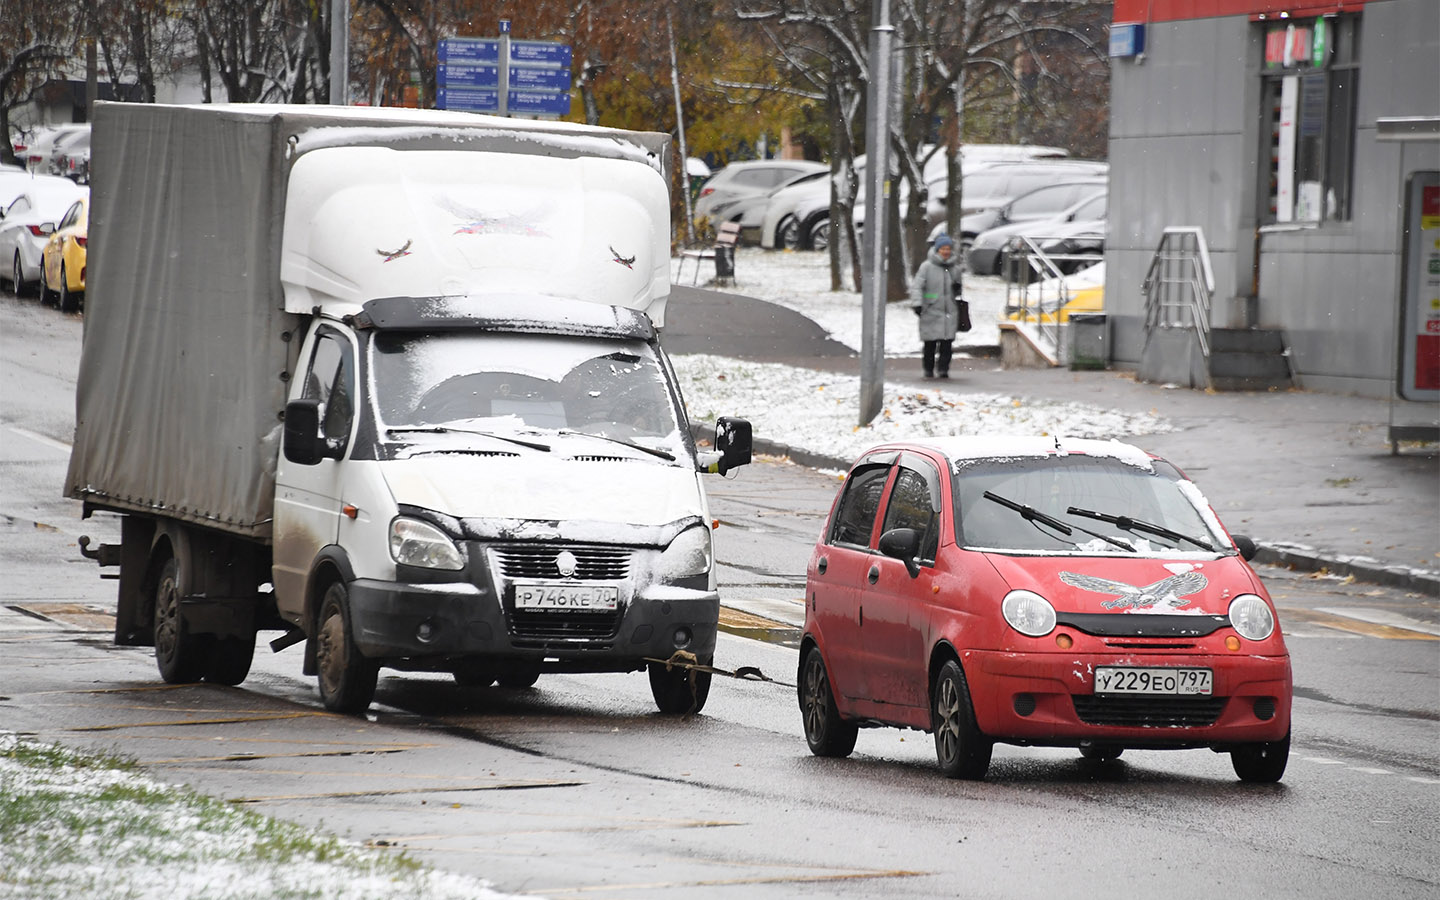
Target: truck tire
347 679
181 657
230 659
518 675
679 691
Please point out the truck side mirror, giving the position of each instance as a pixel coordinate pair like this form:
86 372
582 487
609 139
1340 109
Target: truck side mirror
902 544
303 444
732 440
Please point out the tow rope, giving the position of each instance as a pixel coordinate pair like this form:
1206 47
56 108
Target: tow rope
684 659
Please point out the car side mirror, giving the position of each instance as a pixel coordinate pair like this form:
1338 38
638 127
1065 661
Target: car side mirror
1246 546
902 544
47 227
303 444
732 440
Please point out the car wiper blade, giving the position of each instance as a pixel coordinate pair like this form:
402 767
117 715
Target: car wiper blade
1031 514
663 454
441 429
1128 524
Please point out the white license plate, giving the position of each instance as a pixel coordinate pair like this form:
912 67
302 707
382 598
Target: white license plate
1136 680
571 597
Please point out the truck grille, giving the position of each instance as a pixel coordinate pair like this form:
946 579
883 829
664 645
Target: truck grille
1148 712
535 629
540 561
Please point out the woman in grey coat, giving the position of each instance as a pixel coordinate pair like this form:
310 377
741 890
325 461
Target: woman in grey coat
935 297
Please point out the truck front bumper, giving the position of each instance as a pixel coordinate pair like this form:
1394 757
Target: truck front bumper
392 621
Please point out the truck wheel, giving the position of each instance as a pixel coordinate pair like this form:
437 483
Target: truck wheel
825 732
347 679
230 659
519 675
475 675
180 656
962 750
679 691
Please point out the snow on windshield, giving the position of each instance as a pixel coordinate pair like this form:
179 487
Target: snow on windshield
1109 485
507 383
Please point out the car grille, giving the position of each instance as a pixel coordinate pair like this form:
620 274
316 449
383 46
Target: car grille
539 561
1148 712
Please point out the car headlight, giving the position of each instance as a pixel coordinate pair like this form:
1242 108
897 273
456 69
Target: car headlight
417 543
1251 617
1028 613
687 560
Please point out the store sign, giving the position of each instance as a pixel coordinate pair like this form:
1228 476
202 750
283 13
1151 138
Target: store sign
1419 375
1291 45
1127 40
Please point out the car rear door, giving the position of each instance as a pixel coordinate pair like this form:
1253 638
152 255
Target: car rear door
839 567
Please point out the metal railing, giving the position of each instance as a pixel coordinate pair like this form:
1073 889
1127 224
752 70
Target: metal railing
1179 287
1035 285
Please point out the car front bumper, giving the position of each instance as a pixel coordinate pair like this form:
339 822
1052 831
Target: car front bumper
1050 699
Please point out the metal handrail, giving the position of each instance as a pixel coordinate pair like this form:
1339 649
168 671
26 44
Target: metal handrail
1179 286
1024 255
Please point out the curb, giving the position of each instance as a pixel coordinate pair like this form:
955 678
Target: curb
1276 553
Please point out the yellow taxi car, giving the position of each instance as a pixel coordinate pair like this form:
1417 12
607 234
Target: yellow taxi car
62 262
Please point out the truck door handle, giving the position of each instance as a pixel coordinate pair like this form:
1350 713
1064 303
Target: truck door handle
874 574
822 565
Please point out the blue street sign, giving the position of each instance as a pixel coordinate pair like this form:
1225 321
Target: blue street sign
538 104
467 99
469 75
541 53
526 79
469 50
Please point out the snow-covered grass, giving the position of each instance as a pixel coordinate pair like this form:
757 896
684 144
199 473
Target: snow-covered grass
818 410
83 826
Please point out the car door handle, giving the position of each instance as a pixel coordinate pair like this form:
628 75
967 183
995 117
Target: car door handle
874 574
822 565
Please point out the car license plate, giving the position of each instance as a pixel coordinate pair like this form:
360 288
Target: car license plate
568 597
1135 680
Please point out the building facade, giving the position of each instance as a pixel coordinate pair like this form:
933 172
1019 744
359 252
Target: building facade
1273 127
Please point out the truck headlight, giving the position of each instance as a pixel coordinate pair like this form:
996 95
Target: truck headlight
1028 613
687 560
417 543
1251 617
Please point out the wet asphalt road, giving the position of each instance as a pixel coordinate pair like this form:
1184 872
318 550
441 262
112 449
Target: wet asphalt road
577 787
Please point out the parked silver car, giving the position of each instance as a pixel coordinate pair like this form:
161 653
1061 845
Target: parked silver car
46 147
743 188
1087 217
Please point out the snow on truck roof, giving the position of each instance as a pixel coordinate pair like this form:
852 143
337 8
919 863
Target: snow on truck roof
509 313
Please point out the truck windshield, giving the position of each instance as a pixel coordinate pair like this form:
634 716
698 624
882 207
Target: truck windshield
506 384
1110 506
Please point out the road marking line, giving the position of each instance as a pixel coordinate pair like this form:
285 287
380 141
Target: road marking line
503 786
40 438
1382 617
1417 778
1343 621
1320 760
1370 771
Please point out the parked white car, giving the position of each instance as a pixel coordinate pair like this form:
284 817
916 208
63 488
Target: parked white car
43 151
29 220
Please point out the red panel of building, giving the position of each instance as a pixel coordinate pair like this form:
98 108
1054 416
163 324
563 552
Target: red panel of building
1172 10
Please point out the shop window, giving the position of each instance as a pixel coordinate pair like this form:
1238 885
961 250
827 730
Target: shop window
1311 73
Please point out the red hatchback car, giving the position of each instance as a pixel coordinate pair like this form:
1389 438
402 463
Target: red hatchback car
1039 591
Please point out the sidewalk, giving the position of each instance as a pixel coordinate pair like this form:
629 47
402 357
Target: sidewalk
1310 477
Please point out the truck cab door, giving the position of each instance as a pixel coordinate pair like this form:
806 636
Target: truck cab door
307 497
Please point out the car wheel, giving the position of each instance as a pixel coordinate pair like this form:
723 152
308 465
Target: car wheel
1101 751
788 234
825 732
347 679
820 235
230 659
962 750
17 275
180 656
46 295
67 300
519 675
1262 763
474 674
677 690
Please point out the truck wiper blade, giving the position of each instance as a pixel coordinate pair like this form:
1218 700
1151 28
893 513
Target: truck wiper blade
441 429
1031 514
663 454
1128 524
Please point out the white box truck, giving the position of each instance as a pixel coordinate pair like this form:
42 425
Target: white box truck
390 381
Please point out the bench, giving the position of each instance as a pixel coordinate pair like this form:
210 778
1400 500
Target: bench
722 251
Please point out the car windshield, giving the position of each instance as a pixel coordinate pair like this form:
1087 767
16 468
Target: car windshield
1108 505
566 388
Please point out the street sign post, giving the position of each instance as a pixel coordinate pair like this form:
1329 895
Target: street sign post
504 76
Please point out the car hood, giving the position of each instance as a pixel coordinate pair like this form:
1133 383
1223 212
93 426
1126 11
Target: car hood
546 487
1130 585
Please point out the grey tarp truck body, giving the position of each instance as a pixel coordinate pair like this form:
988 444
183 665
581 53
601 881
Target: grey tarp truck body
252 266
